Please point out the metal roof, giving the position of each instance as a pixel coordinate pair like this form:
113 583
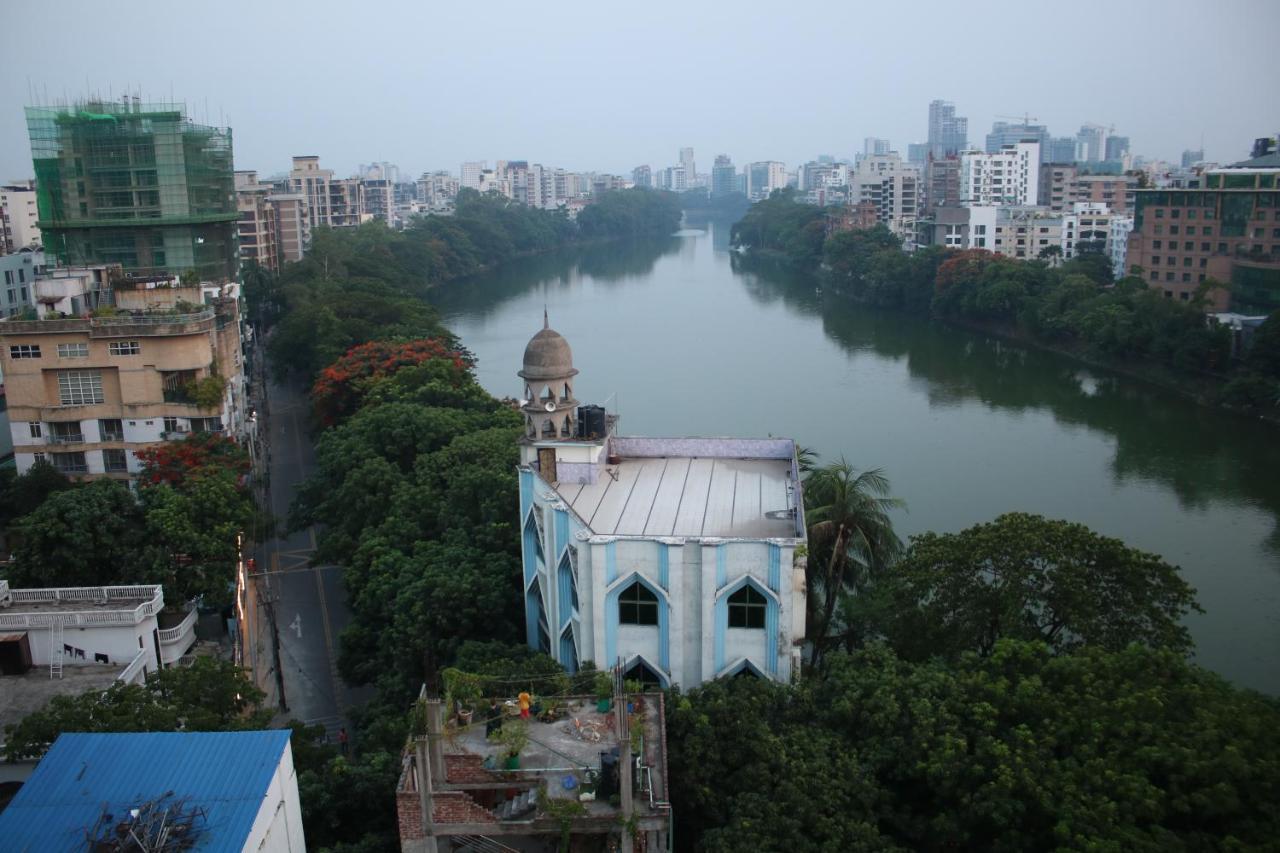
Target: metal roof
225 773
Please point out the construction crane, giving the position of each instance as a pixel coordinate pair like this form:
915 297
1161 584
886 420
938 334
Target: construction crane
1026 118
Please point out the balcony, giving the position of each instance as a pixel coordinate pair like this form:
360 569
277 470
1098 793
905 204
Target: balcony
177 639
66 438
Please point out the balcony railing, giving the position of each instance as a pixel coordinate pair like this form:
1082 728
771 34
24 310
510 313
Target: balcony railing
66 438
172 635
119 325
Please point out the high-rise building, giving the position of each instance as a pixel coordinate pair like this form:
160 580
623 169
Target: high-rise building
893 188
942 182
1091 143
686 161
136 184
1117 147
918 153
764 177
18 217
1011 176
948 132
723 177
274 226
1003 133
471 173
312 183
642 176
1062 149
875 145
1192 156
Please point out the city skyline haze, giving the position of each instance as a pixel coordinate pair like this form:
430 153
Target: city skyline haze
607 92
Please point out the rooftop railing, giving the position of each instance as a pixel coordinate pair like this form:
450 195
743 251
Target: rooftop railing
150 600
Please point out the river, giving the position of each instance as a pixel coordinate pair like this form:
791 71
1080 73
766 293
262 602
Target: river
680 341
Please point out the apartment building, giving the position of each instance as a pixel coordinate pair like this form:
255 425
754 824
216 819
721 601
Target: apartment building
312 182
87 392
1225 227
1063 185
18 218
19 271
1010 176
764 177
274 226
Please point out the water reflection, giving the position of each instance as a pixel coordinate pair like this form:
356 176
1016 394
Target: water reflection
1200 454
484 295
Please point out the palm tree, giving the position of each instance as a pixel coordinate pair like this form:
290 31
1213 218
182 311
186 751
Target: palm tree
851 538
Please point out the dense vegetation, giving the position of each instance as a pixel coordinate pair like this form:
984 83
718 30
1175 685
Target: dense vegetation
178 528
1073 306
359 284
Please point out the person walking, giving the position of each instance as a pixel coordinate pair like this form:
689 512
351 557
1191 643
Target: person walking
525 701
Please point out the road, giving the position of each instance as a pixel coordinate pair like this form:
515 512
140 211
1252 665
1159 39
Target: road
309 601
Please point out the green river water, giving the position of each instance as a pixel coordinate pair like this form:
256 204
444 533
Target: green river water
680 341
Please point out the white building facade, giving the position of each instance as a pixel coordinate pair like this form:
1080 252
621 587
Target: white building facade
1011 176
681 560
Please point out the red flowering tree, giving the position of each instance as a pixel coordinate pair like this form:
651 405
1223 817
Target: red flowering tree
173 462
342 386
964 267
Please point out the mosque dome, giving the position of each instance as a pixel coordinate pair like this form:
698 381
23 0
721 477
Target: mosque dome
548 356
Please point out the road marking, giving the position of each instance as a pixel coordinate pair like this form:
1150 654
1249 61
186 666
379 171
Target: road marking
296 625
334 678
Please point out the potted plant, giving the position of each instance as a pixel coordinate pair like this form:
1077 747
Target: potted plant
604 692
513 737
633 689
462 694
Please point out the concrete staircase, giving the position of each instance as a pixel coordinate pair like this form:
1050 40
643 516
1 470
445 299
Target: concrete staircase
519 807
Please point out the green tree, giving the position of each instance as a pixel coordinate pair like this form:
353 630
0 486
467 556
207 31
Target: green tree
210 695
1264 350
851 539
1019 750
1026 577
21 494
87 536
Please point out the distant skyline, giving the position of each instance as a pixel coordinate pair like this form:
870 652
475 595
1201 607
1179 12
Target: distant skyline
590 88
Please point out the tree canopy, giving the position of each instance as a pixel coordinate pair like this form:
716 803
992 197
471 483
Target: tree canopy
1030 578
1018 750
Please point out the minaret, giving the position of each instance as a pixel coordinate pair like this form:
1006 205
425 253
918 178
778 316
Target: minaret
548 405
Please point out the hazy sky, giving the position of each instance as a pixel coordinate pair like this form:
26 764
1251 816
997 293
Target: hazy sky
607 86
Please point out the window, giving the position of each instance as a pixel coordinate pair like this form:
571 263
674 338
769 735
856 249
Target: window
1168 276
114 461
124 348
36 428
206 424
746 608
171 425
1186 276
111 429
24 351
1188 246
70 463
66 432
1159 213
1204 247
73 350
637 606
1155 244
1173 229
79 387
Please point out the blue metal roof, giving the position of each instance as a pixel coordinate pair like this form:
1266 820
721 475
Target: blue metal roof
225 773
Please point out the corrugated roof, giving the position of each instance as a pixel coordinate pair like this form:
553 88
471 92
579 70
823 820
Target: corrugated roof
225 773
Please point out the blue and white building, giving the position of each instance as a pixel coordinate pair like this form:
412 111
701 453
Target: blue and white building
682 559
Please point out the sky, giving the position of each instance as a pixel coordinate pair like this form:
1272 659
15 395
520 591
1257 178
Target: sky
607 86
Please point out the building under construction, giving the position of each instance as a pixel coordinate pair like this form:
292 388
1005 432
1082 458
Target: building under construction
136 184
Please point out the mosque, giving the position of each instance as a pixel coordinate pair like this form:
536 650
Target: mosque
682 559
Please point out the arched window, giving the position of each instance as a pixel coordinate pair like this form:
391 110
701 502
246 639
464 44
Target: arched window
528 393
564 428
568 392
548 429
746 608
637 606
532 430
643 674
547 393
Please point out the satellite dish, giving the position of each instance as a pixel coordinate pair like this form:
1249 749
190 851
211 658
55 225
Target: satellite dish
550 406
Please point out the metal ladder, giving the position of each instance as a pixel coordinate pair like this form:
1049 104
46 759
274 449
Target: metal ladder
55 648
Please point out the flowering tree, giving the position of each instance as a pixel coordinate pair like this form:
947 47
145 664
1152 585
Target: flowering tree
342 386
173 462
